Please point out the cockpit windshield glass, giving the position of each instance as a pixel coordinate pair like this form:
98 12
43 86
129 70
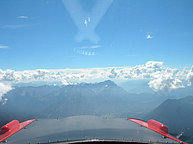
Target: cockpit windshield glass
83 67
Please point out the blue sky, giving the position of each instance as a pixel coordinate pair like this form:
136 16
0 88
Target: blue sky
42 34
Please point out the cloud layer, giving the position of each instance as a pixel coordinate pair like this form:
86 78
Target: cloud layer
161 78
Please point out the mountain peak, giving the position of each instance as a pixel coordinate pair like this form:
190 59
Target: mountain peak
107 83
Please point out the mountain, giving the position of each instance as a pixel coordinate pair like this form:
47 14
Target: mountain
181 92
95 99
177 114
49 101
61 101
136 86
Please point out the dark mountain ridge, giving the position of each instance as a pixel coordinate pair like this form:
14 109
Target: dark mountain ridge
177 114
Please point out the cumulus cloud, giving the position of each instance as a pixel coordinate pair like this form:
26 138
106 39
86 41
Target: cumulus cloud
190 77
151 70
165 83
161 78
4 88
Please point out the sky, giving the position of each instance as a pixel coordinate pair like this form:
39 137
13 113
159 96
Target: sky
71 41
59 34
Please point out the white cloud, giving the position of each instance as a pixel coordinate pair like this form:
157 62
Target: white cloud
161 78
3 46
165 82
90 47
4 88
87 50
190 77
4 101
22 17
149 36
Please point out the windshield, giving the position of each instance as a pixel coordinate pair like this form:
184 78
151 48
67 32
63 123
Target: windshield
107 59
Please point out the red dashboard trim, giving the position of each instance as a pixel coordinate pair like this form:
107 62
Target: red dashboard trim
157 127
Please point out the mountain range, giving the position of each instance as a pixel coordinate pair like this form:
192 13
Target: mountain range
49 101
